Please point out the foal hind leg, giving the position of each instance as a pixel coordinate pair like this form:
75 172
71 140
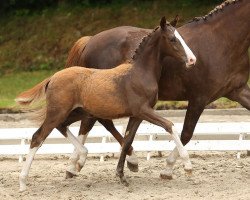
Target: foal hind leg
132 160
37 139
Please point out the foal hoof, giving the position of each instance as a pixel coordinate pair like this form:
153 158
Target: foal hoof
166 175
188 168
133 167
188 171
124 181
22 189
78 167
69 175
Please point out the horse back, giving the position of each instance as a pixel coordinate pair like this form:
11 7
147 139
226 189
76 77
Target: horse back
112 47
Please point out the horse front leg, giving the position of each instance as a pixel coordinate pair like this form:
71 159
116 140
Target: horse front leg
193 114
132 160
241 95
132 126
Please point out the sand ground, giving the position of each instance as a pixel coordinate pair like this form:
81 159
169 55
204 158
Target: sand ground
216 175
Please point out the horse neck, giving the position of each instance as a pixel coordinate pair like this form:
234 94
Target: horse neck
148 59
231 25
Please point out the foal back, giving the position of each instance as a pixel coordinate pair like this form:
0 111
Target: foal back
99 92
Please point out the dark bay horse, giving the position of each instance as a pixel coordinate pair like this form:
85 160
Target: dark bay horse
220 41
130 89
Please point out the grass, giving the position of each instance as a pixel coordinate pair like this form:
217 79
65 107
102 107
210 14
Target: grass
12 84
41 40
34 45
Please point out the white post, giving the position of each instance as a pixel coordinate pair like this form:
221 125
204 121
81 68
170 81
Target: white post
241 137
104 139
150 140
21 157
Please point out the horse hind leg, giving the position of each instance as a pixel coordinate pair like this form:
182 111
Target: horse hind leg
132 160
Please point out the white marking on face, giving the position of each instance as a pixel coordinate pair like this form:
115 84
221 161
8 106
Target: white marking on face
190 56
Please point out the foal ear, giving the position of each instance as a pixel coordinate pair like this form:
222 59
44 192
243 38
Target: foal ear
163 23
175 21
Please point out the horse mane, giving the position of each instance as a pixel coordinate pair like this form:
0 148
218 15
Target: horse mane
142 44
215 10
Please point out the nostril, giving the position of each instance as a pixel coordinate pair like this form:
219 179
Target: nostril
192 61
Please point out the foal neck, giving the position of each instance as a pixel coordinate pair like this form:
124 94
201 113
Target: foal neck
147 55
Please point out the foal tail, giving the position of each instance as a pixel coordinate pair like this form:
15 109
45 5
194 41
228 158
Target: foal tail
76 51
35 94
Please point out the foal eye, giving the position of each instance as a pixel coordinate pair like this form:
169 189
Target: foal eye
173 39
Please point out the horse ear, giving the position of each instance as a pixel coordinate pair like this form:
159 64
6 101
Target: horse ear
175 21
163 23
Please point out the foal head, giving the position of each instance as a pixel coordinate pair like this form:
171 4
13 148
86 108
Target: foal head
173 45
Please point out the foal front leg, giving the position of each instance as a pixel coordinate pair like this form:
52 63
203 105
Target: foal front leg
193 114
133 125
132 160
149 115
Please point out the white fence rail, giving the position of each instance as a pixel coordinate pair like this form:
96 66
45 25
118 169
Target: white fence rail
207 137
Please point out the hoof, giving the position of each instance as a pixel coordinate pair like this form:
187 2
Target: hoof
189 172
78 167
133 167
22 189
124 181
166 175
69 175
188 167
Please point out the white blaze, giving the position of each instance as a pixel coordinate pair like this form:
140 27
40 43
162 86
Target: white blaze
190 56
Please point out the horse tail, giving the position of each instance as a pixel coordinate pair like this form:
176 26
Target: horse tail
76 52
35 94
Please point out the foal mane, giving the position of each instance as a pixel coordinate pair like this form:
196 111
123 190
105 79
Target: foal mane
215 10
144 40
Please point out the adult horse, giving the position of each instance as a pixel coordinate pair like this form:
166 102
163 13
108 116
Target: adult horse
126 94
220 41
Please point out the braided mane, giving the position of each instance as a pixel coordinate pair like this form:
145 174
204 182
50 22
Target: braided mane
142 44
215 10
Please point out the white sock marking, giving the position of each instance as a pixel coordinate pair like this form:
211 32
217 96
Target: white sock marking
81 150
26 167
182 151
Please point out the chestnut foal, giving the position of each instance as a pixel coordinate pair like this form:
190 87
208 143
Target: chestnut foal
128 90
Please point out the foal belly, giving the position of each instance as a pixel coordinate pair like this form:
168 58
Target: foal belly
105 103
